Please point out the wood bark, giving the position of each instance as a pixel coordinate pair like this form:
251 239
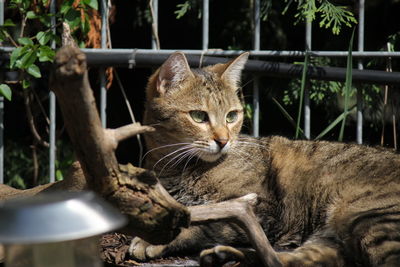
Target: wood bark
153 214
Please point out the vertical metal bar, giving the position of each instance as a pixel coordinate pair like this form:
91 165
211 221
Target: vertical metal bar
206 5
103 90
2 111
307 111
360 67
155 24
256 83
52 110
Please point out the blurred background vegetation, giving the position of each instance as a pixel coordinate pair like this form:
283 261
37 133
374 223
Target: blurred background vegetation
282 28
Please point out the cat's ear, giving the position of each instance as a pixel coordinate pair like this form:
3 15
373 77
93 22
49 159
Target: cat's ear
233 72
174 70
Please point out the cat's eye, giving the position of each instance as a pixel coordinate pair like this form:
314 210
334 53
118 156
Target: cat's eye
231 116
199 116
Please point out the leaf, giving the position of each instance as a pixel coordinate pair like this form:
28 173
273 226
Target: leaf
92 3
66 6
182 9
334 123
8 23
3 35
73 18
28 59
46 20
16 54
44 37
287 115
5 90
59 175
25 41
34 71
85 25
26 83
17 182
31 15
64 9
45 53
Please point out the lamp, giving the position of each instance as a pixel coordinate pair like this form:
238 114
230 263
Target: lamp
56 230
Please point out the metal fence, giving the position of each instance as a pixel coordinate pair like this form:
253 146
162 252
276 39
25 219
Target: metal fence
256 52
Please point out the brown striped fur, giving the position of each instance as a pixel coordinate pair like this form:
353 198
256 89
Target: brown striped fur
321 203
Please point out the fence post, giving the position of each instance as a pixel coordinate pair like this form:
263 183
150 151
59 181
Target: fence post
256 82
52 109
2 111
307 110
360 67
102 71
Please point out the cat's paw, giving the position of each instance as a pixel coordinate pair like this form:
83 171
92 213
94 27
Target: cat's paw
221 256
142 251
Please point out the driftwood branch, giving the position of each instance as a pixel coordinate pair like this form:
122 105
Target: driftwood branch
125 132
153 214
240 211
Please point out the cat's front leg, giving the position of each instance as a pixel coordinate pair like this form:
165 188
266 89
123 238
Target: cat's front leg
142 250
190 241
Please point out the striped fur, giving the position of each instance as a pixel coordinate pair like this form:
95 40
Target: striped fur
321 203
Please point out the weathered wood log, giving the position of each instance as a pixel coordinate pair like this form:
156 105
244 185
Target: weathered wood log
240 211
153 214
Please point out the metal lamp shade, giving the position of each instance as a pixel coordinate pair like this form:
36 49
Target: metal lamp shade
57 230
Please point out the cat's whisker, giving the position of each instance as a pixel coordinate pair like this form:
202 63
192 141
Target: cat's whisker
160 147
180 157
171 160
250 144
170 154
189 159
202 143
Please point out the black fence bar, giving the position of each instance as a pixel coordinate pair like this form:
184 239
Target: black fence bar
266 68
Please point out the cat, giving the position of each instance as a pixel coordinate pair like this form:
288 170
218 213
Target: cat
320 203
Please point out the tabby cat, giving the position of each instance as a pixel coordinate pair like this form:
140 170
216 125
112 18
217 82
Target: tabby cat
321 203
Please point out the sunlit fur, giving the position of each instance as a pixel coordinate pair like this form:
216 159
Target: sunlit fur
322 203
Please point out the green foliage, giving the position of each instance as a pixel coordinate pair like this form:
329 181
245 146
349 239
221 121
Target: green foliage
5 91
335 16
320 92
265 9
182 9
30 50
19 170
185 7
331 16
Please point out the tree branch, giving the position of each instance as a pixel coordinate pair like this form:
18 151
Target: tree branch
153 214
125 132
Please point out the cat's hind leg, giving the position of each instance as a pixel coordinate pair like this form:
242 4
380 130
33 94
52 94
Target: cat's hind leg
221 256
317 253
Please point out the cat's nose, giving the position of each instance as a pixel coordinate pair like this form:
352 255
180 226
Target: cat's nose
221 142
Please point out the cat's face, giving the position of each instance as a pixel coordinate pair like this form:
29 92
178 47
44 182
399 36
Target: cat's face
198 110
